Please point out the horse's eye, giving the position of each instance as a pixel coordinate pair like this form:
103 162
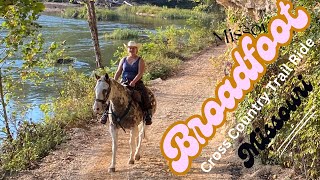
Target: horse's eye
99 80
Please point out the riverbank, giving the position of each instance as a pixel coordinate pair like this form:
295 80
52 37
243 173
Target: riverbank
105 14
53 7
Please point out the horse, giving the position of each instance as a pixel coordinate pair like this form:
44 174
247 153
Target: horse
124 112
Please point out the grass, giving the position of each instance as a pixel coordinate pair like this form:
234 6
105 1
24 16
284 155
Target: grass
101 14
123 34
145 10
107 15
163 12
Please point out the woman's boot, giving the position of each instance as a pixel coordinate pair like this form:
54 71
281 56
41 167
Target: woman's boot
148 117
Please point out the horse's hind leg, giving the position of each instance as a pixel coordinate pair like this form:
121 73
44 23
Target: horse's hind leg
114 135
141 135
133 136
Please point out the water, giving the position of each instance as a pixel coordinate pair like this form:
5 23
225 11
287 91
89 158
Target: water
77 35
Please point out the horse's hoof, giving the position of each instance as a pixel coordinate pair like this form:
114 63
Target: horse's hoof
137 157
111 170
131 162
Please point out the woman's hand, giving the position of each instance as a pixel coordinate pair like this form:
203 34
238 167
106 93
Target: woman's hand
132 84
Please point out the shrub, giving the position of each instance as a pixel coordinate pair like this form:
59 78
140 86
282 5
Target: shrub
33 142
101 14
123 34
107 15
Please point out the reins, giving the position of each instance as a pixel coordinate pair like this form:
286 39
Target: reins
120 118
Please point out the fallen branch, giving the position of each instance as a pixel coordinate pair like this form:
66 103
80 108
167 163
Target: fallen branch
125 2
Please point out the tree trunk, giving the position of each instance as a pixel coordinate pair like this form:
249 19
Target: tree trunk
6 119
94 31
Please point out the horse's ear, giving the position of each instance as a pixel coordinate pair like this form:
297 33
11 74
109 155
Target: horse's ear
97 77
106 77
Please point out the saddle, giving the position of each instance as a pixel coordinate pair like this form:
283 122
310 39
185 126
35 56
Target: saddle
135 94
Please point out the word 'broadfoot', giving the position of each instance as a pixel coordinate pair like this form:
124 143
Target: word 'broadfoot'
247 150
183 140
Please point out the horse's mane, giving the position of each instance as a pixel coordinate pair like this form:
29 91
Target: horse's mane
118 85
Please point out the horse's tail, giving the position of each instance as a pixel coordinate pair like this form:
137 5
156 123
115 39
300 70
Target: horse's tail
152 101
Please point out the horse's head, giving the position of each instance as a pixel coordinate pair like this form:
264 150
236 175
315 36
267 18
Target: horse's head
102 91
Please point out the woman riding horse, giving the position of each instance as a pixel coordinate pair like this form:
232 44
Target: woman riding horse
132 68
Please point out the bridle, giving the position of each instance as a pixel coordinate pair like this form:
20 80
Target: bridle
101 101
104 100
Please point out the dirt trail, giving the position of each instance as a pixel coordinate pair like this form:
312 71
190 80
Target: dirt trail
87 154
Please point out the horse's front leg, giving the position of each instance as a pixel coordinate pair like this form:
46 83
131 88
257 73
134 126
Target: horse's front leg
133 136
114 135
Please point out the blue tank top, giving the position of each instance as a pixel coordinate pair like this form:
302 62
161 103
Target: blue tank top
130 71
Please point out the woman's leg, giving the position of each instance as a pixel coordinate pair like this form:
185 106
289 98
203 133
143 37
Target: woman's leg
146 104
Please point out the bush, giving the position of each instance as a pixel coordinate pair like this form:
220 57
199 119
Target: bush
162 68
123 34
77 13
35 140
168 13
101 14
107 15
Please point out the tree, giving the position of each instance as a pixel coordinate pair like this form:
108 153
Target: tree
22 40
92 20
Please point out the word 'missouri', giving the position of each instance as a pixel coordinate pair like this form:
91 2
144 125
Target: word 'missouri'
183 140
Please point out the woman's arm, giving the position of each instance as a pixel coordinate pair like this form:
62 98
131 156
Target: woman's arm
119 70
140 73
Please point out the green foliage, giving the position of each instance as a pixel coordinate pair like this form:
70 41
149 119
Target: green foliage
146 10
73 107
106 15
33 142
77 13
303 154
209 6
123 34
23 41
184 4
101 14
167 13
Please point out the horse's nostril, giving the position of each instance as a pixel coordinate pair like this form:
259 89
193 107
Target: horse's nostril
97 109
